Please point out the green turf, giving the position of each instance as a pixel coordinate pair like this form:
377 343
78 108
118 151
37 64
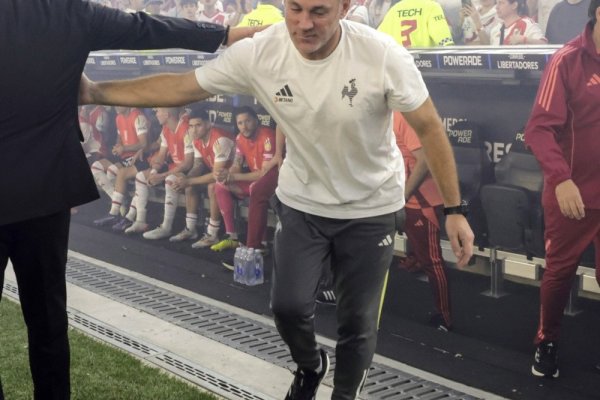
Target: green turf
98 371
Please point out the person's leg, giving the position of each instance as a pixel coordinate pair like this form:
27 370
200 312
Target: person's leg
141 194
225 204
423 235
300 250
566 239
102 176
39 257
362 253
170 208
224 195
261 192
211 237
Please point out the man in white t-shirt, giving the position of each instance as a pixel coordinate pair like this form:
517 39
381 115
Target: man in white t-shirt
331 85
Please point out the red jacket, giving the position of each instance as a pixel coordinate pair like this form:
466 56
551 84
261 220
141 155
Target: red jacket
564 127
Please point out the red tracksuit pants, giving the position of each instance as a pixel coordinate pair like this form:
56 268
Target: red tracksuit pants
260 192
566 239
423 232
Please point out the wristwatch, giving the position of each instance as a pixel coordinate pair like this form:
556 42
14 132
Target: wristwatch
463 209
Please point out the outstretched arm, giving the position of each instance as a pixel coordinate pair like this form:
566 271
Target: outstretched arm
163 90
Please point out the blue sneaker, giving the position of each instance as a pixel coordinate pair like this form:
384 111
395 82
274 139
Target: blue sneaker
107 220
123 224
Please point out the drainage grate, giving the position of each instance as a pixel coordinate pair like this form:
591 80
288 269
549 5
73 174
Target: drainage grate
241 333
209 380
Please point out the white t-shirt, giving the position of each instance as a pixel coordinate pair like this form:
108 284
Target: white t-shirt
342 160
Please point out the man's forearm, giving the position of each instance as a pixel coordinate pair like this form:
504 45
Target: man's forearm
163 90
438 152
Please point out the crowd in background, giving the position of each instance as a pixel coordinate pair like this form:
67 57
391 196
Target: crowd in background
469 22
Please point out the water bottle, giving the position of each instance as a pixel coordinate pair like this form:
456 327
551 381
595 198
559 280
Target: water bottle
249 267
238 264
259 276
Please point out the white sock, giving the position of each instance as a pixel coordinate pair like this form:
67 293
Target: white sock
141 192
117 201
132 213
101 178
213 227
171 200
190 221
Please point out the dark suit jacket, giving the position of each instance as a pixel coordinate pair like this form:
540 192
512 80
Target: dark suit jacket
44 45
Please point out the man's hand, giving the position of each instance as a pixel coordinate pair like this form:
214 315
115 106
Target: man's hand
155 178
181 182
569 200
117 150
221 175
276 161
461 238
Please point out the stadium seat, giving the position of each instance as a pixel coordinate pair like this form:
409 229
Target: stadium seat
513 211
512 205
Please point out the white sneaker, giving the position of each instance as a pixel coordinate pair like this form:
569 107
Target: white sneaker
158 233
185 234
206 241
137 227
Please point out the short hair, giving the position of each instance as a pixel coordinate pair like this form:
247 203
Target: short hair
182 2
199 112
522 8
246 110
594 4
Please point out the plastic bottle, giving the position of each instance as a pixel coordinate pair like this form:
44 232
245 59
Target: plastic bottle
238 264
249 267
259 275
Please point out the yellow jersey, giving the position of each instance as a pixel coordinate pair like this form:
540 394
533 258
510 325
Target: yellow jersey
263 14
417 23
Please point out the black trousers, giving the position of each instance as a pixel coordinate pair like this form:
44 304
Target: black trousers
360 252
37 249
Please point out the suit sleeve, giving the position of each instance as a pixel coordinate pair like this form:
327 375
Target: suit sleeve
114 29
548 121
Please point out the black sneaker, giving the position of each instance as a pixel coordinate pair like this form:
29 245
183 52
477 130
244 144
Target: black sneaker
228 263
546 360
326 297
306 383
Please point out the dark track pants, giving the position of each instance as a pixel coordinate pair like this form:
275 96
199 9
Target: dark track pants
37 249
360 252
423 233
566 240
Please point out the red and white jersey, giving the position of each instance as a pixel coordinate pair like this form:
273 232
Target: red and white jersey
99 119
218 148
129 127
93 142
219 18
427 194
92 139
523 26
257 150
178 143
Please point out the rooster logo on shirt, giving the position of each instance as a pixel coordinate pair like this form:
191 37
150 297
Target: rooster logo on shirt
350 92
